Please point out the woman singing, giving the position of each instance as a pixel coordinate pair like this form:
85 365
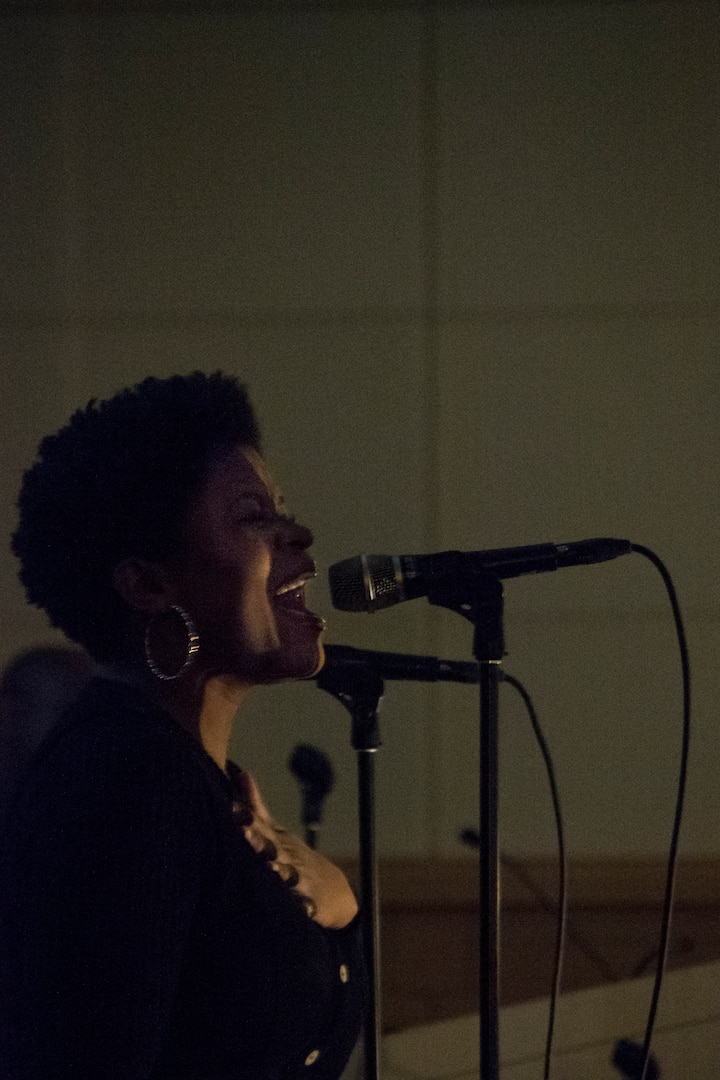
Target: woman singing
156 922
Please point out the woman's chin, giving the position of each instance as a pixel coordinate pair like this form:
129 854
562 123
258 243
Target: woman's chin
319 662
303 664
301 654
295 659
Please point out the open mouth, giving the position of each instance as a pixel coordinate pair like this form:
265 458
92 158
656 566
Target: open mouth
291 595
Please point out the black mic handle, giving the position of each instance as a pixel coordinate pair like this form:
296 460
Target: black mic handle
340 659
374 582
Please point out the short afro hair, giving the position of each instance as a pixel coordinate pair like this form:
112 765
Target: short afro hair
116 483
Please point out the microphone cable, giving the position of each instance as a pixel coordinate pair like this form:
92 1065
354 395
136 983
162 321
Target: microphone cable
671 871
679 804
470 836
562 866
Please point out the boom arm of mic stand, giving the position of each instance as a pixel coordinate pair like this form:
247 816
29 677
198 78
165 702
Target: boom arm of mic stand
360 692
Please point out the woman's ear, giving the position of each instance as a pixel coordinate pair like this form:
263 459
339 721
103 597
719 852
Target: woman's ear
143 585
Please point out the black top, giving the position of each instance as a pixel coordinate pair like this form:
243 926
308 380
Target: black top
141 936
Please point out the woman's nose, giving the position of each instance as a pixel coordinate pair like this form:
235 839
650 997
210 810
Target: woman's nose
292 532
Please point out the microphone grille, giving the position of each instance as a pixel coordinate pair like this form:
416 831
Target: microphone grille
364 583
311 766
347 587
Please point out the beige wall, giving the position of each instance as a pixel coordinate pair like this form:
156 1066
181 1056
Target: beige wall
468 263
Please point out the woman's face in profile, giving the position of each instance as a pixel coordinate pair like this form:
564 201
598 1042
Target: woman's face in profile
241 574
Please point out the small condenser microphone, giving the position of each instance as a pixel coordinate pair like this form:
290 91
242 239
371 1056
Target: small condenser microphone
372 582
402 666
312 769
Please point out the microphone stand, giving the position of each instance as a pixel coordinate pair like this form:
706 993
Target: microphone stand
481 602
360 690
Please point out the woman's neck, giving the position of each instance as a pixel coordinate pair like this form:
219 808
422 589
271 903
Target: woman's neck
206 710
204 706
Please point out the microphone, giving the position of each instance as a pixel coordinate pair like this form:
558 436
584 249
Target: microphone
312 769
372 582
388 665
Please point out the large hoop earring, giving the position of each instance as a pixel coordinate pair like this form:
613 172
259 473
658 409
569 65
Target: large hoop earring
193 644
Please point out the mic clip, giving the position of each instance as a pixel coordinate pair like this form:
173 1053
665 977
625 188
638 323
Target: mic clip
479 599
359 688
